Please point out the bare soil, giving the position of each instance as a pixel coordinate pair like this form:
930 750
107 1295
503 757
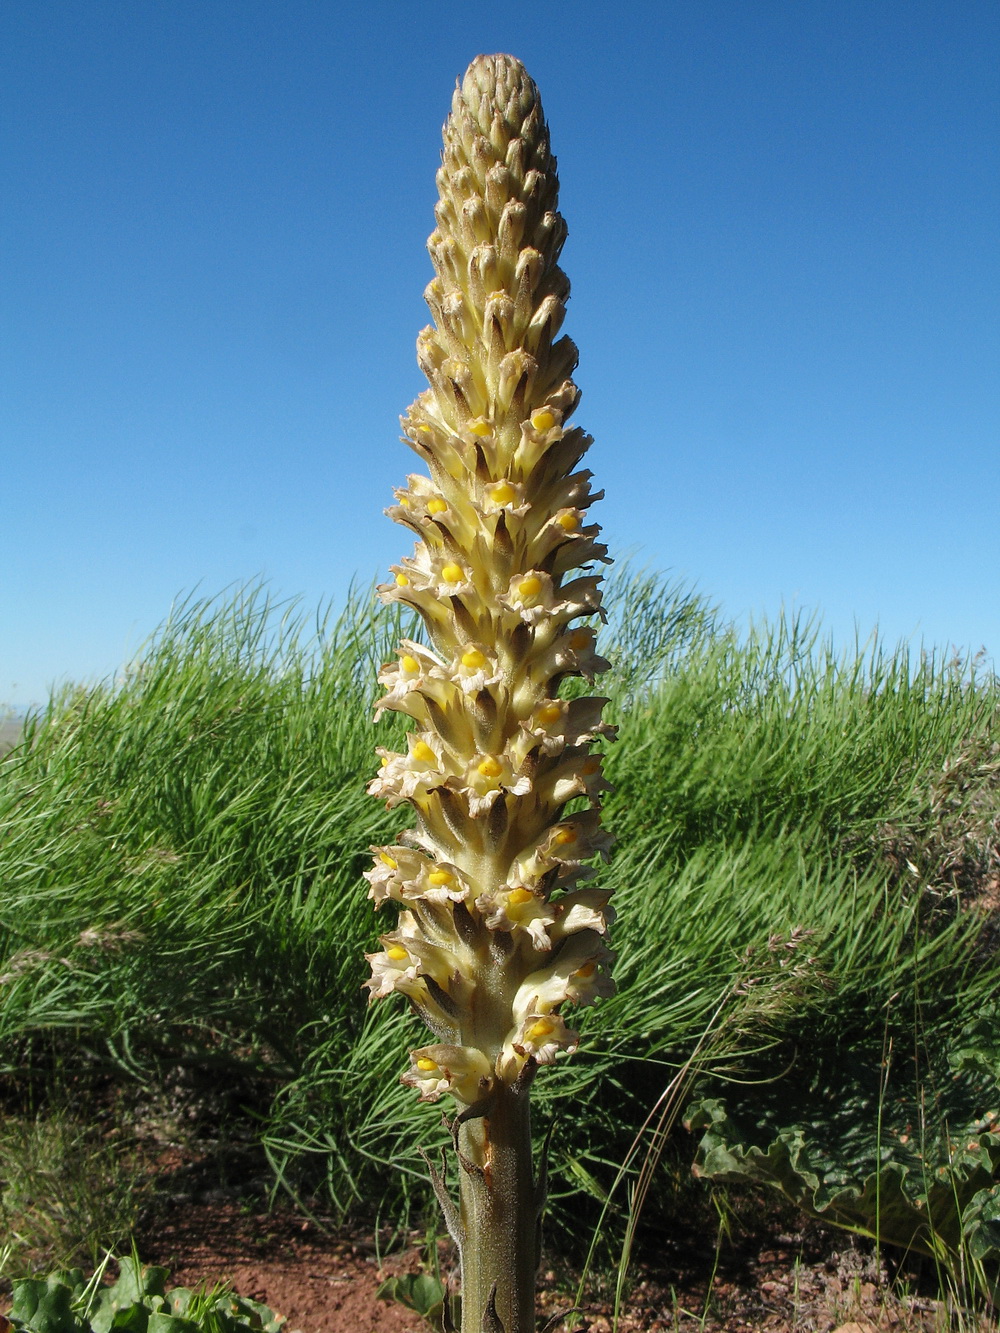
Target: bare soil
206 1219
325 1280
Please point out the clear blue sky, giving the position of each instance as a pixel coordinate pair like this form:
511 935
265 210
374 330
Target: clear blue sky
783 246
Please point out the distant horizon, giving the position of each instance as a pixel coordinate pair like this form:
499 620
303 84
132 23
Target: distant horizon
861 639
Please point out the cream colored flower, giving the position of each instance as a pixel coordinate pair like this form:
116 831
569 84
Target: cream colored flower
474 669
576 975
461 1070
486 776
405 876
565 848
393 968
414 670
538 1038
583 909
519 910
556 723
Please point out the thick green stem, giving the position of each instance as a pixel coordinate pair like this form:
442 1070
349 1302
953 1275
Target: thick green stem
499 1216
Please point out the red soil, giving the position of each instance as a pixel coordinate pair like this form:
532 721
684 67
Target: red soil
325 1281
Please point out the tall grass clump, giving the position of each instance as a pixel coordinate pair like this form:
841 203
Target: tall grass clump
182 885
177 883
852 802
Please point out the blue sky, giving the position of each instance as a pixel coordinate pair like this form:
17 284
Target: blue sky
783 248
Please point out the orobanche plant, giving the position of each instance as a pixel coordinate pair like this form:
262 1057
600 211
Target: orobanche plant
496 933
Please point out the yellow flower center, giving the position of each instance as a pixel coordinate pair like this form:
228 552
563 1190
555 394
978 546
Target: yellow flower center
386 859
480 426
549 713
424 753
397 953
529 588
441 877
426 1065
569 522
437 505
540 1029
490 767
503 493
452 573
565 836
409 663
518 896
542 419
473 659
402 580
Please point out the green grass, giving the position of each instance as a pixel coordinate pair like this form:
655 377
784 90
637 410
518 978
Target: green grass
181 856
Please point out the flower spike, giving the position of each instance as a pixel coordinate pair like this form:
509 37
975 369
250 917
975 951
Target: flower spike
494 937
